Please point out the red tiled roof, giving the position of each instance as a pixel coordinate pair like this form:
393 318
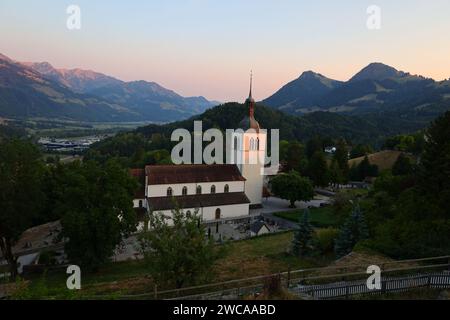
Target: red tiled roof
198 201
139 174
170 174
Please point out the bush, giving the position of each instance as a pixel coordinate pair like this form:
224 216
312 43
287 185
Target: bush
48 258
325 239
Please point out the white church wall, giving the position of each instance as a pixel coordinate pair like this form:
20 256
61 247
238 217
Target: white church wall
136 203
209 213
177 189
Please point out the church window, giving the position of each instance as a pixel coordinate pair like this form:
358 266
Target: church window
169 192
218 214
227 188
257 144
188 214
140 203
199 189
252 144
185 191
213 189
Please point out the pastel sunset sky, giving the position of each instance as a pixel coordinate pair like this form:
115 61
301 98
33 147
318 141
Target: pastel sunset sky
206 47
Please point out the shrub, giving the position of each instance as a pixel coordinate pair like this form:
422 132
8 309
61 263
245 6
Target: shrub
325 239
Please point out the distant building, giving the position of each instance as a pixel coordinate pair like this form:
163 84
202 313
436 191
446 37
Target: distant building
330 150
259 228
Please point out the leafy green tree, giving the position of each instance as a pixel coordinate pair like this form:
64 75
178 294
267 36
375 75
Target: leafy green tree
353 231
361 150
318 170
294 156
335 173
293 187
284 147
341 158
313 145
177 252
96 205
434 171
402 166
363 169
303 236
21 172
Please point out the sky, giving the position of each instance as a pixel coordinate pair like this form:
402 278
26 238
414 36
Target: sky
206 47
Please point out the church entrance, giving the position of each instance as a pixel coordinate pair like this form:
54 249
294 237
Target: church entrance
218 214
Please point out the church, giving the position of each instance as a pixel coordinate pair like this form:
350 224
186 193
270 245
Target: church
218 192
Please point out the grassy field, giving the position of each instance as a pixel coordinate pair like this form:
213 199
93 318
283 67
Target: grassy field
320 217
242 259
384 159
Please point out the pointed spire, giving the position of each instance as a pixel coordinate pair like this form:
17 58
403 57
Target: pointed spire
251 83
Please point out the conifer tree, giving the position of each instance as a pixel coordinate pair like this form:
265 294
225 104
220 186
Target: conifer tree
353 231
303 236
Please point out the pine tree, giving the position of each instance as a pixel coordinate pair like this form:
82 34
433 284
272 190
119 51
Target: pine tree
353 231
303 236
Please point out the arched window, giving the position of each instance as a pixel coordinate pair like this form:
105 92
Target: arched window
226 189
188 214
169 192
218 214
213 189
140 203
252 144
236 143
257 143
199 189
185 190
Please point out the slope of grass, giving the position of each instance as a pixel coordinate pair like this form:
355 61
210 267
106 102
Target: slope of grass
242 259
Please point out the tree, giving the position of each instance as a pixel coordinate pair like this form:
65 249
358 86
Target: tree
97 210
434 170
312 146
341 158
335 173
361 150
402 166
363 169
318 170
21 172
178 252
293 187
294 156
303 236
353 231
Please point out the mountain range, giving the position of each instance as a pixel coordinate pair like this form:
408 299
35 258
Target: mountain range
38 90
376 89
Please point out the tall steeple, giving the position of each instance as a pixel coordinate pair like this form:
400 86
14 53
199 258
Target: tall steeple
249 122
250 101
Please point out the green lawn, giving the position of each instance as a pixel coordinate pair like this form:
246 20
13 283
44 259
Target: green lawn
320 217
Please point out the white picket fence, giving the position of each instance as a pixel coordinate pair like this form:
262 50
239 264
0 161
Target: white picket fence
388 284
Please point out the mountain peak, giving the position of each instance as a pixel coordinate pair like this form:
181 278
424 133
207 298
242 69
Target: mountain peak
377 71
3 57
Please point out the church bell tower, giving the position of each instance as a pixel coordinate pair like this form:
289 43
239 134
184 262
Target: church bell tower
252 153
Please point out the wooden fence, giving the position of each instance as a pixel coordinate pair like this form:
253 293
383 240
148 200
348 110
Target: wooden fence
388 284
